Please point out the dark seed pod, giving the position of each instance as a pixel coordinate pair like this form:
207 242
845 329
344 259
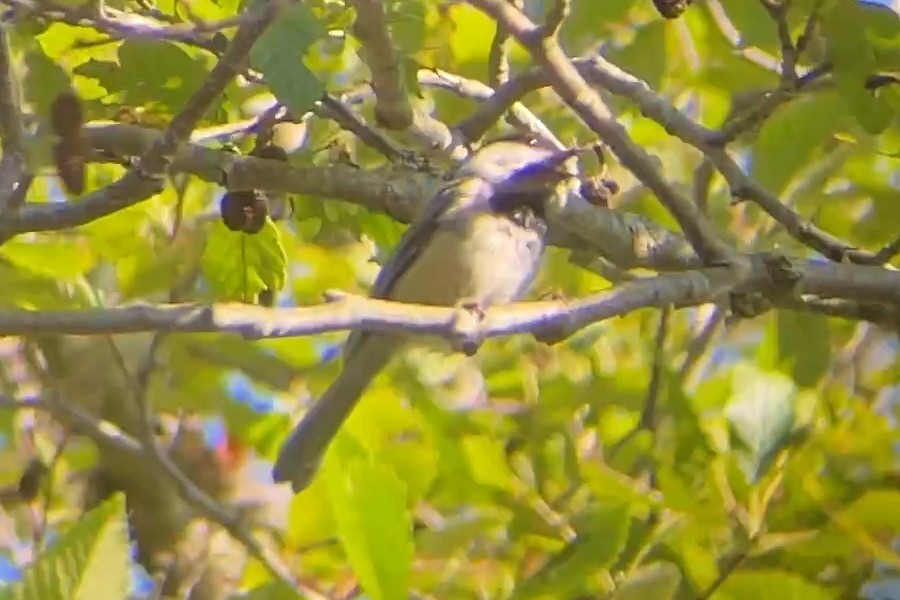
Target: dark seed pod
66 116
244 210
70 156
598 190
270 152
219 43
231 208
255 213
31 480
671 9
266 297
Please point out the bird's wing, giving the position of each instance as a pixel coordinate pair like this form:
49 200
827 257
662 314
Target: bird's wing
411 245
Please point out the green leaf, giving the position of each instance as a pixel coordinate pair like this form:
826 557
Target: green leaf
407 18
804 345
240 266
279 52
90 561
487 461
459 531
645 56
791 138
770 584
22 289
655 581
612 486
374 525
600 539
275 590
692 442
876 510
761 414
587 19
853 57
149 73
56 259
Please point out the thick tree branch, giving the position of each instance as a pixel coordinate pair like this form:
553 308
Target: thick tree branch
587 104
627 240
498 55
600 72
882 314
357 312
778 278
392 107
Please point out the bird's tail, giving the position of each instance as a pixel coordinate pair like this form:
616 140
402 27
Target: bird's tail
304 449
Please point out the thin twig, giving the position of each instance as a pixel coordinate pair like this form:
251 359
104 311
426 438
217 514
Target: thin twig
118 24
555 17
588 105
474 127
777 10
498 55
648 414
700 344
730 565
50 479
647 420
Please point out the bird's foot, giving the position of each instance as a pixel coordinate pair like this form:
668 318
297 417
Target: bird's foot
467 336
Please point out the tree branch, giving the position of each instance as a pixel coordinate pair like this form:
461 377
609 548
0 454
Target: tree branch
474 89
627 240
588 105
357 312
146 178
392 107
109 437
598 71
118 24
777 278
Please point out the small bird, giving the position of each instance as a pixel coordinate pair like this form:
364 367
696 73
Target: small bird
478 243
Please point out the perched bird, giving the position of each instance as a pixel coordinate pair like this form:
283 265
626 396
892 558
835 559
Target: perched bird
478 243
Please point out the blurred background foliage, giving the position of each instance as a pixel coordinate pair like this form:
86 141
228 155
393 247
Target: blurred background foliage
656 456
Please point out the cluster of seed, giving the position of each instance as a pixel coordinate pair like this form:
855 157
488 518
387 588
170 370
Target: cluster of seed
246 210
71 151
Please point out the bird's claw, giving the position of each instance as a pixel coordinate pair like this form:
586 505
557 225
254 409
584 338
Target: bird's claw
466 326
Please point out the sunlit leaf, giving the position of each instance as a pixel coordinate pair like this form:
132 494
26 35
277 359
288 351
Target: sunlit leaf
240 266
89 561
804 345
761 413
658 581
604 532
771 584
374 526
279 52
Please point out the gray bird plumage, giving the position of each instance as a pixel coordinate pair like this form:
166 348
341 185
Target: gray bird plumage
480 240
